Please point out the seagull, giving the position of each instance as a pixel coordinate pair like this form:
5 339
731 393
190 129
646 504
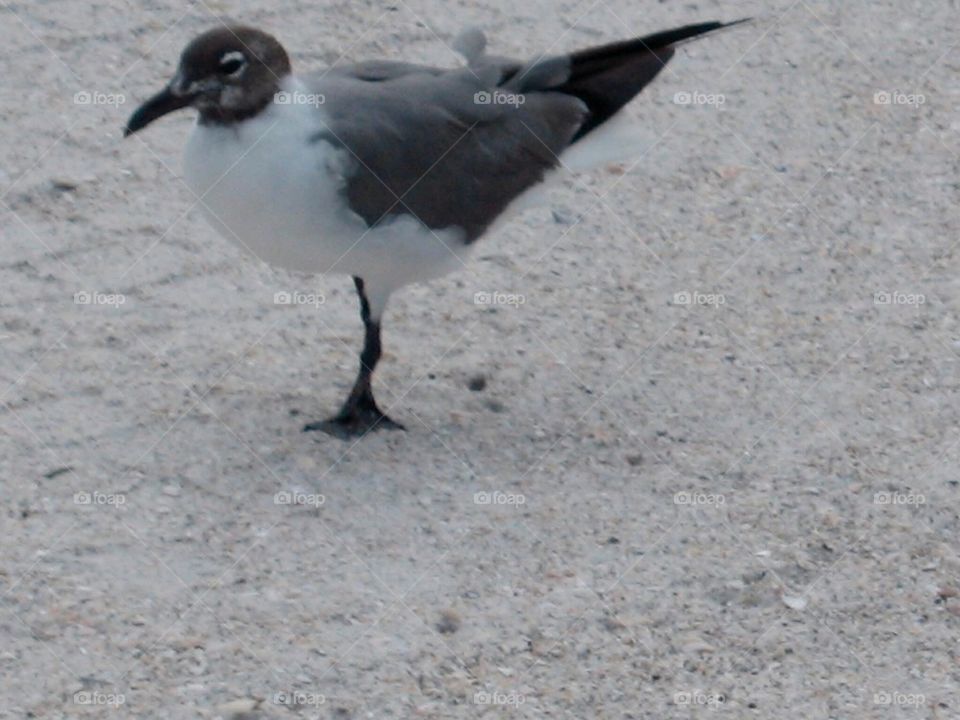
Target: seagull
389 171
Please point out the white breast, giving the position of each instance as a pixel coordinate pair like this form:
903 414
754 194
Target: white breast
265 185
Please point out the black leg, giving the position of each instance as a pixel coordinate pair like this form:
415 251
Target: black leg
360 414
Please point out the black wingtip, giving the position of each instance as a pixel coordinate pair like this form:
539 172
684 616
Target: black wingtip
607 77
688 32
741 21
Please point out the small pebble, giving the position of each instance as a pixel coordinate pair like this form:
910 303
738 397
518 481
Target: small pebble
64 184
612 625
57 472
449 622
496 406
794 602
243 709
945 593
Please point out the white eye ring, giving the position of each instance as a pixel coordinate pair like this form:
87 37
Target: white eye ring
231 57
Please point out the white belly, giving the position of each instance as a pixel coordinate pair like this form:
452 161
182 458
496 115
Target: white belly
266 187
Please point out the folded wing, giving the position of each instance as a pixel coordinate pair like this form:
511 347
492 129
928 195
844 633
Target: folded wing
454 147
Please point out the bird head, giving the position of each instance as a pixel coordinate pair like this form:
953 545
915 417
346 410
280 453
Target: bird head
227 74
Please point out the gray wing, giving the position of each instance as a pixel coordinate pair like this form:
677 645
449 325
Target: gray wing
438 144
431 143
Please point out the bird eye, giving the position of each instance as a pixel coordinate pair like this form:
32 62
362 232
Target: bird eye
232 63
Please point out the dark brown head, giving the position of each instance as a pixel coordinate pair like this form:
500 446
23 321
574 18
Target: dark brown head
228 74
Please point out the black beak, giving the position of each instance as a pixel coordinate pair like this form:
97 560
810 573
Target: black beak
161 104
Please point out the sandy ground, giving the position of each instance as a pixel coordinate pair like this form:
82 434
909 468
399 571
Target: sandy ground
717 439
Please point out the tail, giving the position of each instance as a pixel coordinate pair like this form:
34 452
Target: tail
608 77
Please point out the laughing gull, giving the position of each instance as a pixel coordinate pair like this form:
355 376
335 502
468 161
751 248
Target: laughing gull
388 171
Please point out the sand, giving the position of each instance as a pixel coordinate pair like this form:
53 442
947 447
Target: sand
702 465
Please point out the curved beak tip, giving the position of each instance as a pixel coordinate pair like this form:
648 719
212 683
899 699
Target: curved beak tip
163 103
